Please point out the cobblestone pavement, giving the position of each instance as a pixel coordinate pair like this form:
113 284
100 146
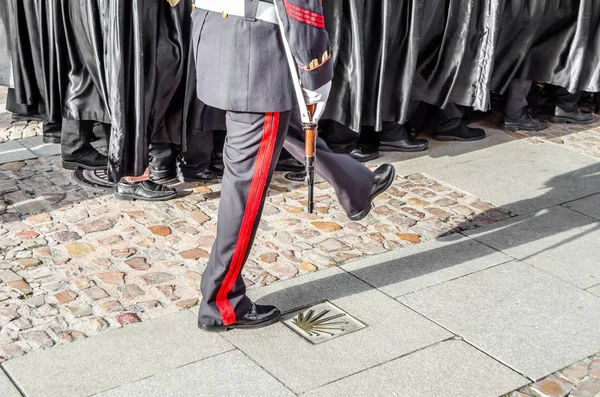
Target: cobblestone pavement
581 379
13 130
74 262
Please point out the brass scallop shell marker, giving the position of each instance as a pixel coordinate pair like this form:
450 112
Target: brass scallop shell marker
173 2
321 322
224 14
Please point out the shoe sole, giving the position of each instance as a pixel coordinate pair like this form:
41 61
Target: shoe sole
367 208
515 129
69 165
52 141
130 197
225 328
566 120
457 139
393 149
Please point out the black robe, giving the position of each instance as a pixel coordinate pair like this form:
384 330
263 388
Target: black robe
147 61
6 73
520 22
374 49
455 59
556 42
34 55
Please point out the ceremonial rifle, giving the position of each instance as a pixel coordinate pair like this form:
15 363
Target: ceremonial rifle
306 114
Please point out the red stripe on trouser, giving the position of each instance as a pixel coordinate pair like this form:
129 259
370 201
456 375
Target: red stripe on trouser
257 188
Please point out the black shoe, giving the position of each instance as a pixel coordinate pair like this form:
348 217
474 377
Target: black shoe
259 316
525 123
364 154
404 145
145 191
211 173
289 164
52 138
92 160
384 176
577 117
461 133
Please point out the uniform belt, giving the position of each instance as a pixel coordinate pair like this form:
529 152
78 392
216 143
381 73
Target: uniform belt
265 11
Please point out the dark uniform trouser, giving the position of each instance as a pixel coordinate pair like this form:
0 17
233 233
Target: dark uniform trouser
77 137
449 118
253 144
516 98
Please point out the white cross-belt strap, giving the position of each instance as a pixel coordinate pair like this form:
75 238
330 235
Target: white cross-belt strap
304 114
266 11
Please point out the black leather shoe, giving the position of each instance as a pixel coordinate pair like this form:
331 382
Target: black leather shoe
92 160
525 123
144 191
363 154
404 145
576 117
259 316
461 133
384 176
289 164
211 173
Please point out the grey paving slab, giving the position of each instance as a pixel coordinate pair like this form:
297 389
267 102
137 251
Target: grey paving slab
228 374
524 178
557 240
595 290
445 154
523 317
115 358
36 145
449 369
7 389
420 266
589 206
13 151
392 331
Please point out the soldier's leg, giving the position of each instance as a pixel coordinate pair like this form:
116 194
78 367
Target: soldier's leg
449 126
516 99
567 101
516 110
252 146
351 180
195 163
76 148
567 109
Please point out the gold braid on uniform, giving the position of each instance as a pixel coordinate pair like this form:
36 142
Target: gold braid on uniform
315 63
